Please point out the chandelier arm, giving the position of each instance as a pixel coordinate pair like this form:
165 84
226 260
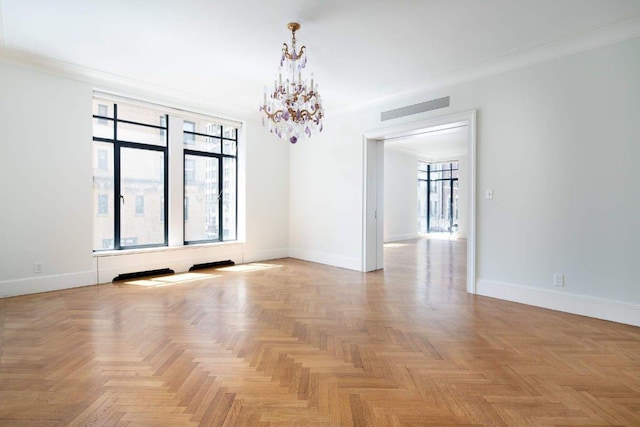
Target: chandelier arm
305 115
291 57
272 116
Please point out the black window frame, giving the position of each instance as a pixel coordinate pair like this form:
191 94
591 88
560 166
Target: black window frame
430 178
188 150
120 243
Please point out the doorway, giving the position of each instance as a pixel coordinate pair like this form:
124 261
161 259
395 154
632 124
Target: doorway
373 183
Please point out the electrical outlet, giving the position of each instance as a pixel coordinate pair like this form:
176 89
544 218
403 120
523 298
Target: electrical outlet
558 279
488 194
38 267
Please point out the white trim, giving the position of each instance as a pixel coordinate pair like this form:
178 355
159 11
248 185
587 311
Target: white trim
415 128
471 219
179 260
325 258
600 308
105 82
181 247
608 34
54 282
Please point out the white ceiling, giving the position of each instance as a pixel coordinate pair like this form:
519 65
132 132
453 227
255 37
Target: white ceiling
359 50
439 143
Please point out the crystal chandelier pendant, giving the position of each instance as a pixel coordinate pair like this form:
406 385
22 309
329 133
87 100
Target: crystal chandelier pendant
293 110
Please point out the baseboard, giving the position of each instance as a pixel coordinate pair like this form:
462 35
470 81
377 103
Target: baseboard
599 308
398 237
328 259
255 256
54 282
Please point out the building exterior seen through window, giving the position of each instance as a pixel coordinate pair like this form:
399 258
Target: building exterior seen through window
438 197
131 157
210 184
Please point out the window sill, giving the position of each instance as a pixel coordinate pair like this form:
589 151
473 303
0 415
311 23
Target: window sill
165 249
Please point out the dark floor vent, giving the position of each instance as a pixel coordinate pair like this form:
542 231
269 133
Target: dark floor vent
434 104
215 264
139 274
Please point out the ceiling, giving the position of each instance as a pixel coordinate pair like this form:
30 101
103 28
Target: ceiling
360 51
438 143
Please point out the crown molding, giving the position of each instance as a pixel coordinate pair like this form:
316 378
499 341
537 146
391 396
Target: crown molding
571 44
127 87
605 35
574 43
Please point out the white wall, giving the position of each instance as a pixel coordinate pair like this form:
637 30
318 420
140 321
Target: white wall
400 195
46 185
556 141
325 190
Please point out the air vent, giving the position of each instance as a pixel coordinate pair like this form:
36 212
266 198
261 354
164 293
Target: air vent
139 274
216 264
434 104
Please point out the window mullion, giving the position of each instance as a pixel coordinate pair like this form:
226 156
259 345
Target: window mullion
220 200
117 206
166 181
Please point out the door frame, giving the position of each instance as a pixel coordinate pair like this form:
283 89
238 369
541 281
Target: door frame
373 189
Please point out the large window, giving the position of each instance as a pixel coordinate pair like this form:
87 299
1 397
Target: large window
437 197
131 151
210 172
131 175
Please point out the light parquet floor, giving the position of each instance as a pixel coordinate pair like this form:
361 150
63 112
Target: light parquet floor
292 343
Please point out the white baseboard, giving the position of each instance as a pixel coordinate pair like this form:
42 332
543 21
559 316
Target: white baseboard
328 259
54 282
600 308
265 255
398 237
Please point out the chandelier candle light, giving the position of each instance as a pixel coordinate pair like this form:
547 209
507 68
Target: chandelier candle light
293 109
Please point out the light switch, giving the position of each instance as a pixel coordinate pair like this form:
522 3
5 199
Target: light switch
488 194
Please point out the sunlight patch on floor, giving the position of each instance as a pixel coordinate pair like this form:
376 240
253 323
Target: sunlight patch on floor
395 245
441 236
243 268
157 282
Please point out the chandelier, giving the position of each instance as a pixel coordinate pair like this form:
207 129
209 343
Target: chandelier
294 109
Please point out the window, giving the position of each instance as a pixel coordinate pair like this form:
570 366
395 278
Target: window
189 129
131 175
437 197
189 170
103 111
210 170
139 205
163 125
103 204
103 159
139 157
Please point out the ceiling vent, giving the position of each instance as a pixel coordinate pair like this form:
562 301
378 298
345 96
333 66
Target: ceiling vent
422 107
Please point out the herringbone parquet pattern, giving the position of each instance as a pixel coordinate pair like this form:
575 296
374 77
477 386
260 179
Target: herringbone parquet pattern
292 343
